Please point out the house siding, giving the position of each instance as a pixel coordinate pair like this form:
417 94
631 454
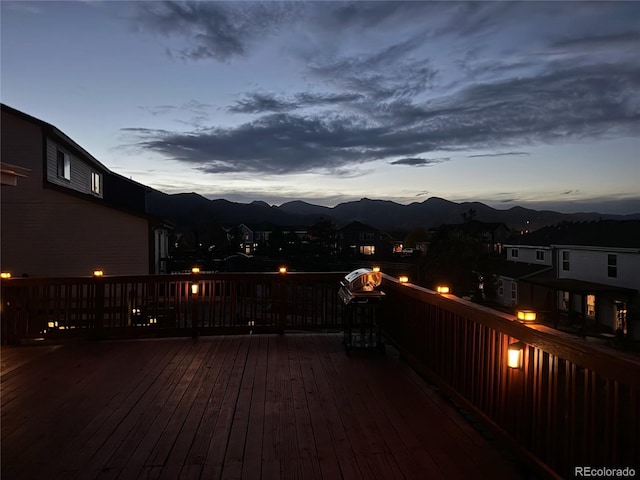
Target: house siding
80 171
527 254
46 232
591 266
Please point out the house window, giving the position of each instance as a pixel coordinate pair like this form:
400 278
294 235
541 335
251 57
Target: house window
612 266
500 288
540 255
96 180
367 249
565 260
64 165
514 291
591 305
621 318
514 253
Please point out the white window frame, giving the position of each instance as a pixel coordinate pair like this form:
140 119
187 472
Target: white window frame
96 182
540 255
63 165
566 261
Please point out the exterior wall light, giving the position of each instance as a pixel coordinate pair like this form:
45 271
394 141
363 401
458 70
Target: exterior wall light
515 352
403 279
526 315
282 269
442 289
98 273
5 275
195 288
195 270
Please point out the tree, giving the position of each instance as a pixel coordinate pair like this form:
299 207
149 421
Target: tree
323 237
416 235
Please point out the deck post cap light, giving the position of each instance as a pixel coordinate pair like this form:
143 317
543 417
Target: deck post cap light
195 270
376 269
282 269
98 273
5 275
403 279
526 315
442 289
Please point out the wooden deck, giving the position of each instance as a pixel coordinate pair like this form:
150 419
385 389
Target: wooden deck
261 406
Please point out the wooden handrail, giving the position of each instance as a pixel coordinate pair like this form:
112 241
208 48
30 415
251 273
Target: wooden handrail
166 304
572 403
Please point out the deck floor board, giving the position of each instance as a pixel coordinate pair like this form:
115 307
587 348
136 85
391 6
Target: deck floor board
252 406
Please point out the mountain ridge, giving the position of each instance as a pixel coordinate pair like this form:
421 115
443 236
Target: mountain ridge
189 209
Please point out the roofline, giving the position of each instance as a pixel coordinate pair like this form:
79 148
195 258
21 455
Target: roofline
540 247
597 248
52 130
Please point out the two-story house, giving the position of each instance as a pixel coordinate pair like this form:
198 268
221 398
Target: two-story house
591 279
357 238
70 214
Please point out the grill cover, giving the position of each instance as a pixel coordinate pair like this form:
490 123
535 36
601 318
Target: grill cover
360 286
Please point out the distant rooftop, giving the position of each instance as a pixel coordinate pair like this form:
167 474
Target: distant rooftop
604 233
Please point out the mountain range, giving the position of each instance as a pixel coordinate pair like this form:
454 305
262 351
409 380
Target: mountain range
186 210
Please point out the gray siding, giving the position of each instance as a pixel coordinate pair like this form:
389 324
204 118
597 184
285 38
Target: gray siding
46 232
80 170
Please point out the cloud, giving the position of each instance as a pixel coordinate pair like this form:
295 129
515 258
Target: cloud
213 30
418 162
396 99
559 106
498 154
264 102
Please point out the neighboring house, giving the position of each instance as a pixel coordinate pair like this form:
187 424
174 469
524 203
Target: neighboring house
356 238
70 214
254 236
592 276
491 235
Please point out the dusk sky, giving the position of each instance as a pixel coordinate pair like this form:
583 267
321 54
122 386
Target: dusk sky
534 104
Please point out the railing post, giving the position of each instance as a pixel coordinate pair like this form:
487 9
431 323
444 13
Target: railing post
282 320
8 319
99 307
194 290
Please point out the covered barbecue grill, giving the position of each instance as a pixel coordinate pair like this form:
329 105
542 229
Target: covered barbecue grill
360 297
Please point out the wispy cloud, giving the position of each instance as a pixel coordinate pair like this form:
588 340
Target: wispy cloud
213 30
418 162
504 154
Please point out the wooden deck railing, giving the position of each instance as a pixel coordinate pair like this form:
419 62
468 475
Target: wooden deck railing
168 304
571 404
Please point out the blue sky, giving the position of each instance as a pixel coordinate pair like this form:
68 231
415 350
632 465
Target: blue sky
534 104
